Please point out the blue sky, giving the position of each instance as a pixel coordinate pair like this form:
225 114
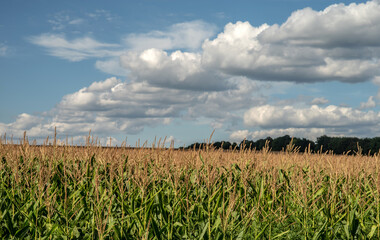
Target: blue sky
180 69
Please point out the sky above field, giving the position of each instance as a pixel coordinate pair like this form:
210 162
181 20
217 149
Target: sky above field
145 69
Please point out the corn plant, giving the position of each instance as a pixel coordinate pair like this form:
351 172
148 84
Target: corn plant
95 192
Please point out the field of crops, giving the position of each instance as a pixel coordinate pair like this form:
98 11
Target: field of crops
93 192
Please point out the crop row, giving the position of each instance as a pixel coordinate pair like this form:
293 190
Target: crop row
52 192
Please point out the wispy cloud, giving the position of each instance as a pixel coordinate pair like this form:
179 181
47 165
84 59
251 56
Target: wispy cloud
77 49
61 20
103 14
186 35
69 20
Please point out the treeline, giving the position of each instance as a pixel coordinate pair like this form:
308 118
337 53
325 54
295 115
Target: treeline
338 145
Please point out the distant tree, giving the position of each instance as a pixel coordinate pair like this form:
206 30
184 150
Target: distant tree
365 144
222 145
235 146
217 145
280 143
323 143
338 145
375 145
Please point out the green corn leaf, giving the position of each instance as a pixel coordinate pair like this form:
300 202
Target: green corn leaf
204 231
262 232
318 233
21 233
216 224
280 235
156 230
372 232
241 234
318 193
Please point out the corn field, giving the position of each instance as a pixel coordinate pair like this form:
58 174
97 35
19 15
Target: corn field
95 192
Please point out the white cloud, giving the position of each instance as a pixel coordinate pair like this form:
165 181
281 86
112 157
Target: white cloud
106 85
113 106
319 101
186 35
369 104
77 49
311 122
268 116
180 70
24 122
338 25
268 53
113 98
338 43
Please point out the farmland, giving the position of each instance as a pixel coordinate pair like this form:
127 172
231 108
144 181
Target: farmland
94 192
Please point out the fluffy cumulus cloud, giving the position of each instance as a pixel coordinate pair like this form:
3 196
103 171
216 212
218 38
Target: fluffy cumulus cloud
310 122
25 122
336 44
106 107
331 28
182 70
114 106
269 116
339 43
